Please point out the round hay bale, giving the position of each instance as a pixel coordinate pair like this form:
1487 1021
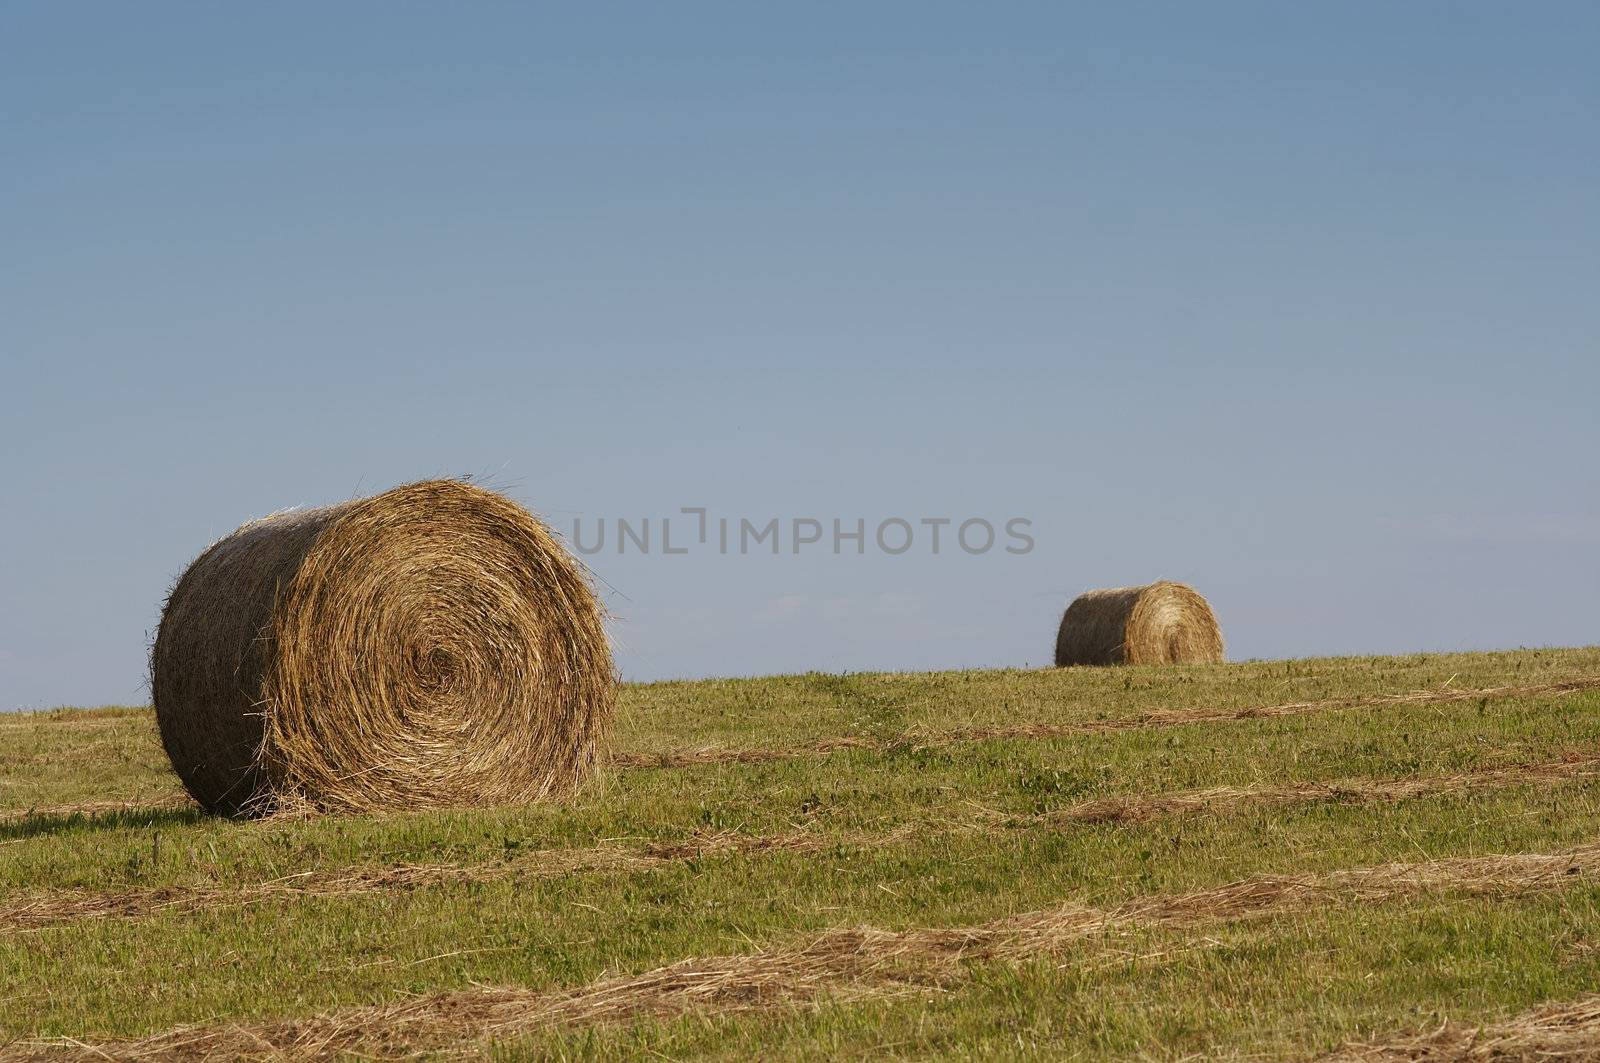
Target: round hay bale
434 645
1159 623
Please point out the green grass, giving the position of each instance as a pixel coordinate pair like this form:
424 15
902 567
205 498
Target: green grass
911 837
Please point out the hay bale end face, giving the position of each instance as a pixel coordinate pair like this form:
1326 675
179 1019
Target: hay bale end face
1158 623
434 645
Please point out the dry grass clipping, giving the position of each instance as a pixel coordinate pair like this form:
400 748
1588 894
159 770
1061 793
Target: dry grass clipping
53 908
1159 623
174 802
1140 809
1569 1030
432 645
837 964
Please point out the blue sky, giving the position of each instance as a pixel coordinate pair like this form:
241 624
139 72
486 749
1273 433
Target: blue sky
1293 303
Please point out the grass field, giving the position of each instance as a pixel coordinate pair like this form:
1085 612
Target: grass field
1271 860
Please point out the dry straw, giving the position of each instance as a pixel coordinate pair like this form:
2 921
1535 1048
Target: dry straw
1159 623
866 964
434 645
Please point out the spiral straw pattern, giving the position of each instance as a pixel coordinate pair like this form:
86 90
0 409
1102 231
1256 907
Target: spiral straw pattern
1159 623
434 645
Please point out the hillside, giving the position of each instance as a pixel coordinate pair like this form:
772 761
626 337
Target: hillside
1263 860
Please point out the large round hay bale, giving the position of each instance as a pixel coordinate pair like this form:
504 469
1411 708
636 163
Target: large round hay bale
1158 623
434 645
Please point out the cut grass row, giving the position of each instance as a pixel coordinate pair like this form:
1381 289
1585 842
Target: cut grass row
856 963
48 908
1424 980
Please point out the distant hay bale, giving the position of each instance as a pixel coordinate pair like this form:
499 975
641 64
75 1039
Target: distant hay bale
434 645
1159 623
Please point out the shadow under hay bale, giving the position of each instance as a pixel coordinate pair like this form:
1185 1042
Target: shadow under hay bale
1159 623
434 645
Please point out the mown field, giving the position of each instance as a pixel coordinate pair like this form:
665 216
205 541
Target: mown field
1364 857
